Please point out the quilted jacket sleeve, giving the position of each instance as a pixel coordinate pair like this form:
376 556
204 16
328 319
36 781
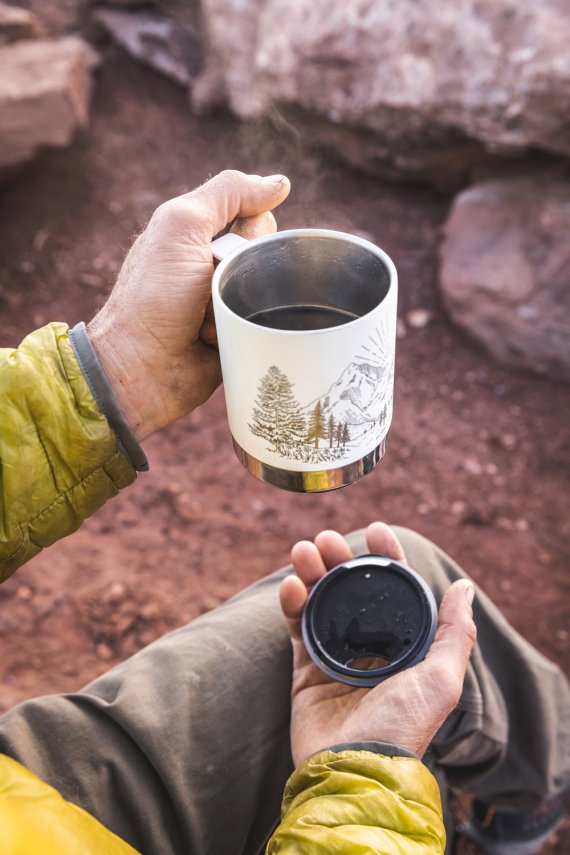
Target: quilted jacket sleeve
59 459
356 802
36 819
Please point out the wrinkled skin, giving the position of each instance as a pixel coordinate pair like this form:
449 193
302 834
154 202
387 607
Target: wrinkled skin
155 336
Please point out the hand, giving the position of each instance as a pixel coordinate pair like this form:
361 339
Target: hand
408 708
155 336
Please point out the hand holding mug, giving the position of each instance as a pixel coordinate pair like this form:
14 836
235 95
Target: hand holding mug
155 336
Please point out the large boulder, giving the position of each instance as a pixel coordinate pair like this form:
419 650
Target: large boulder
16 24
419 86
45 87
505 269
169 46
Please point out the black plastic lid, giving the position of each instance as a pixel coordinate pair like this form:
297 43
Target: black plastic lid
367 619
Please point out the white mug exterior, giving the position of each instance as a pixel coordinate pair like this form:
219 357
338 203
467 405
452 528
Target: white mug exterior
307 382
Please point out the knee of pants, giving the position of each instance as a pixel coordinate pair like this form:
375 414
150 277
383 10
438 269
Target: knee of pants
431 562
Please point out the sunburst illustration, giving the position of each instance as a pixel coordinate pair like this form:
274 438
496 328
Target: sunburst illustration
378 349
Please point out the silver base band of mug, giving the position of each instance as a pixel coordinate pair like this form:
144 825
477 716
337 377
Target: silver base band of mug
311 482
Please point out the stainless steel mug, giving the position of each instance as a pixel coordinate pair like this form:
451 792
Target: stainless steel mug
306 323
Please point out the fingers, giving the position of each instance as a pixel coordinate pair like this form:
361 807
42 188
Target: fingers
308 563
381 540
455 638
253 227
208 331
293 596
333 548
233 194
311 561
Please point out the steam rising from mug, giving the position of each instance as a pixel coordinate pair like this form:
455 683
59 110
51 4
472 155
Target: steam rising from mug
306 323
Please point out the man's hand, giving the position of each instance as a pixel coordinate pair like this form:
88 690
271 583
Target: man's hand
155 336
408 708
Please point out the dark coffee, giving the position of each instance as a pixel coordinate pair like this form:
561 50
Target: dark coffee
301 317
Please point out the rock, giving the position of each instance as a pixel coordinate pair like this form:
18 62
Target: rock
103 651
41 237
504 270
419 318
154 39
91 280
123 4
16 24
150 611
458 507
407 87
116 593
45 89
471 465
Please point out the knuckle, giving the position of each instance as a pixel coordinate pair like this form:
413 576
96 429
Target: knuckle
453 691
471 633
449 684
269 221
230 176
176 213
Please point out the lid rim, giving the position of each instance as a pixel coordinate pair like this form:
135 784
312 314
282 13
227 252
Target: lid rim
355 676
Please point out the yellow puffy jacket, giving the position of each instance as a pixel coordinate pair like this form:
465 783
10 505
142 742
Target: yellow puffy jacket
59 462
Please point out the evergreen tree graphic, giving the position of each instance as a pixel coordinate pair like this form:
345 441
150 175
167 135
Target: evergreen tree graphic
277 416
331 429
339 433
317 427
345 434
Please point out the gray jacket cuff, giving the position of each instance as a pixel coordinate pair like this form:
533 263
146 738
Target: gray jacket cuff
105 397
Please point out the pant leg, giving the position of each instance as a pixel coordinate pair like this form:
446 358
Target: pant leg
508 741
184 748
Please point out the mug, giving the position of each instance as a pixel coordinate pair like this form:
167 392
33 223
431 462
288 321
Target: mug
306 325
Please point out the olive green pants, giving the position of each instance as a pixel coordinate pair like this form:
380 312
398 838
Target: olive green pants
184 748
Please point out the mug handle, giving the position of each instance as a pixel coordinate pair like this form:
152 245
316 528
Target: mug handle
225 244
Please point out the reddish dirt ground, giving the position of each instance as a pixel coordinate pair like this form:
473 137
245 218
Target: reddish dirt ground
477 457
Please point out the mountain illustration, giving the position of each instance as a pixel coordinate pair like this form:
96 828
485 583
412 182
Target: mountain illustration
359 395
330 426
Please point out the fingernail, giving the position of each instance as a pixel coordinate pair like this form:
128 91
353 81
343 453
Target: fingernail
276 179
470 593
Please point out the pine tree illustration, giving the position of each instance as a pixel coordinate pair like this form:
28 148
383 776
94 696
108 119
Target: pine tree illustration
277 416
330 430
339 433
317 427
345 434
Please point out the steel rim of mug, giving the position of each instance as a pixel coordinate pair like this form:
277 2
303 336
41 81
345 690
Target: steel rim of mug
226 268
321 481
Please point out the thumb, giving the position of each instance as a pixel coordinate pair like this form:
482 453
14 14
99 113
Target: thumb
455 638
234 194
